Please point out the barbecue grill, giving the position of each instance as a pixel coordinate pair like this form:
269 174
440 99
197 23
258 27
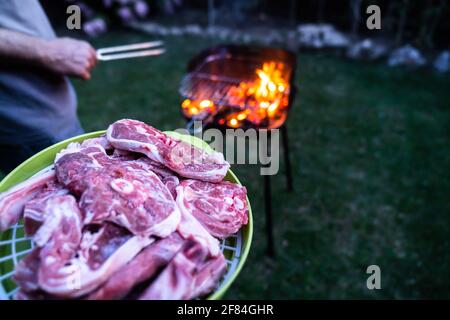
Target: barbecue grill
231 86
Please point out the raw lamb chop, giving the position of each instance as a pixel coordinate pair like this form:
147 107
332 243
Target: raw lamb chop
189 228
12 202
78 167
208 275
123 192
221 208
183 158
141 268
135 199
101 254
190 274
168 177
34 212
57 240
26 277
59 237
177 279
61 227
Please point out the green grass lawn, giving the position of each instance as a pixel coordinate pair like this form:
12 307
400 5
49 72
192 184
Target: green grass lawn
371 164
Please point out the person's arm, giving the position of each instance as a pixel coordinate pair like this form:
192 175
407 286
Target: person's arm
63 56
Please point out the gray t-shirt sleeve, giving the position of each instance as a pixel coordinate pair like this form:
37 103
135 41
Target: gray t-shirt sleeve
26 16
33 102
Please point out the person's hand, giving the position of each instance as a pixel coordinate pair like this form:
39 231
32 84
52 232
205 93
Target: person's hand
70 57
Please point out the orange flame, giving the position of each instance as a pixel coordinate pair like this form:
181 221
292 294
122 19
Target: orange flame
194 108
264 98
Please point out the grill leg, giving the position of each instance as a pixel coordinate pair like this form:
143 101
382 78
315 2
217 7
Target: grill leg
269 222
287 160
268 204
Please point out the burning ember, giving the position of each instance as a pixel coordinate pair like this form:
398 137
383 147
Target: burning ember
259 101
197 108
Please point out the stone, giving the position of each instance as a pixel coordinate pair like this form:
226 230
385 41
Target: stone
367 49
193 29
406 56
442 62
176 31
321 36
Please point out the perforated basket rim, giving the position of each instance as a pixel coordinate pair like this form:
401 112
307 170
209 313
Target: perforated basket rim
239 250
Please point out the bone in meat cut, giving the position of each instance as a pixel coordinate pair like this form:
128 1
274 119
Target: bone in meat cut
183 158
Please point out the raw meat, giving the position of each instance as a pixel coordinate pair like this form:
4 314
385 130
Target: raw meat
59 237
141 268
123 192
177 280
208 275
26 273
26 277
101 254
56 240
133 198
160 170
77 168
183 158
171 184
61 227
12 202
189 228
168 177
221 208
102 141
191 273
34 212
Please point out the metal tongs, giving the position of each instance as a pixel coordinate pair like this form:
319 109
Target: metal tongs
131 51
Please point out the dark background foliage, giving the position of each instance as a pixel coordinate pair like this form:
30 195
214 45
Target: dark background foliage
424 23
